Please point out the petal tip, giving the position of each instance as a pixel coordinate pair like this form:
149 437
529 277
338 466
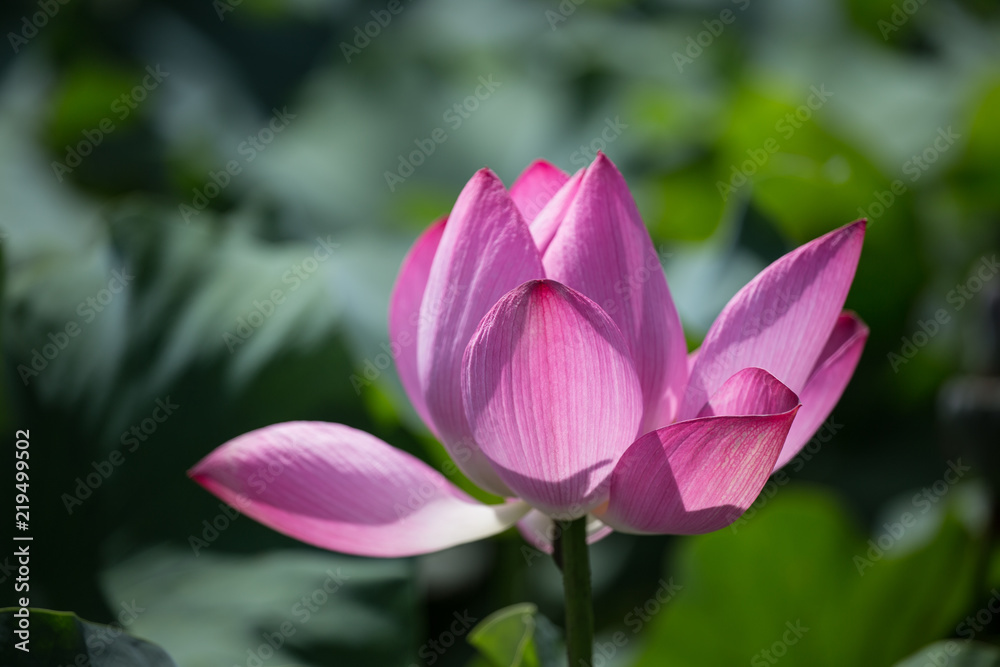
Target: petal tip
543 165
602 161
485 177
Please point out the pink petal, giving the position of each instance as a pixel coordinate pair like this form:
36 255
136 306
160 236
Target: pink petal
546 223
535 187
826 384
752 391
485 251
404 313
342 489
601 248
781 320
701 475
552 396
539 530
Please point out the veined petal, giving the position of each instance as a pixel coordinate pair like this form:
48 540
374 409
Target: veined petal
552 396
535 187
540 530
485 251
602 249
827 383
701 475
752 391
404 313
781 320
546 223
338 488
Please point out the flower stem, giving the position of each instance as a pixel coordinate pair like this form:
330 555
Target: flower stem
574 560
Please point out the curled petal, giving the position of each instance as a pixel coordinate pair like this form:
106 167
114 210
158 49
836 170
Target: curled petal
827 383
781 320
752 391
701 475
551 396
485 251
404 313
602 249
342 489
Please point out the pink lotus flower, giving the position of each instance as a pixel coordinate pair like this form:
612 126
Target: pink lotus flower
538 340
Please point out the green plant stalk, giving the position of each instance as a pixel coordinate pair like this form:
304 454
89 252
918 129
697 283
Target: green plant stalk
572 556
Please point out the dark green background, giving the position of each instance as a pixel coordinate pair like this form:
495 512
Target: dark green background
897 77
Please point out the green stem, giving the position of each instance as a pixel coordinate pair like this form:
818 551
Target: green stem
574 560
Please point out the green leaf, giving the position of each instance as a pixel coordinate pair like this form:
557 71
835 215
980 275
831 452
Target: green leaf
795 579
62 638
954 654
281 607
517 636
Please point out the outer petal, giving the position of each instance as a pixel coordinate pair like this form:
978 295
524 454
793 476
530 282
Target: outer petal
781 320
342 489
552 396
701 475
485 251
539 530
535 187
602 249
404 312
826 384
692 357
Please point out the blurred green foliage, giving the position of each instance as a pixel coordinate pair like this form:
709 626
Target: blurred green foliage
64 638
140 138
